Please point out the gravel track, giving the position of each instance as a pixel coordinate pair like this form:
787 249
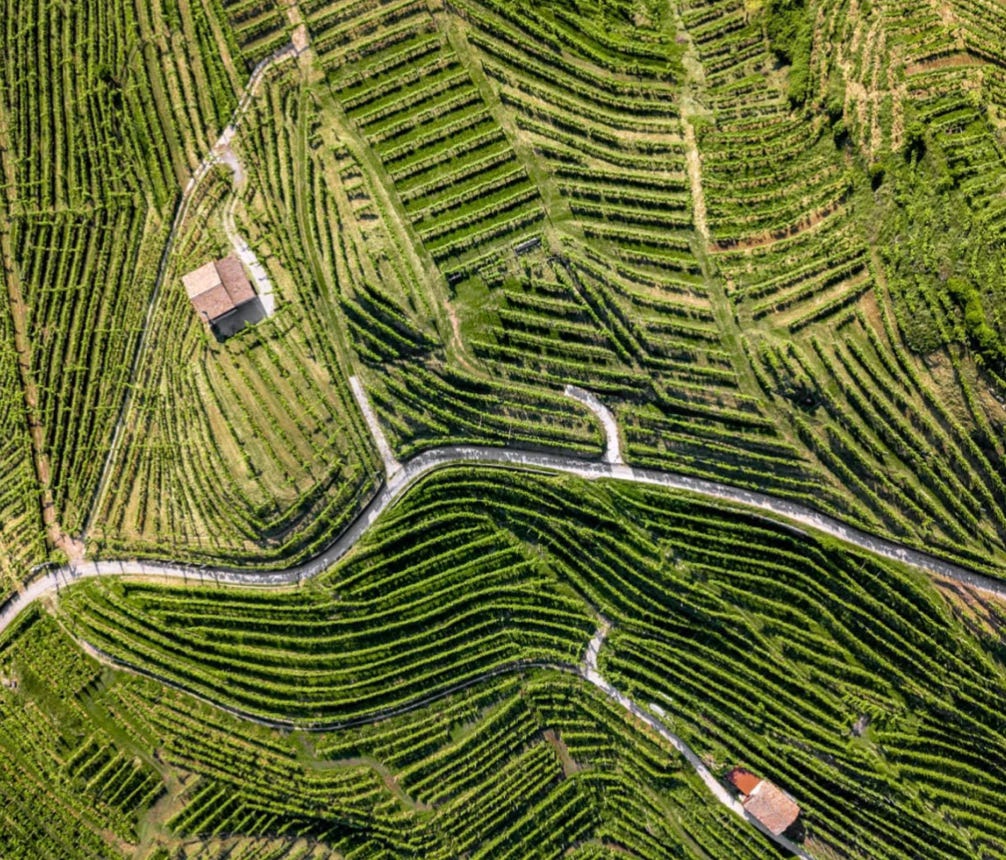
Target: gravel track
422 464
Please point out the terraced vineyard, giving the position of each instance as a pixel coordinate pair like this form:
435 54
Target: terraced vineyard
765 242
264 421
419 109
530 753
854 683
85 207
256 29
495 202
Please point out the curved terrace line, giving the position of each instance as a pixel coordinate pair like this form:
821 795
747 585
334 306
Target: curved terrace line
401 476
587 670
653 718
451 455
211 158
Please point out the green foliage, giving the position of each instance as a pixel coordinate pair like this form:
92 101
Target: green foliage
765 647
69 781
788 26
976 324
258 453
638 35
756 348
915 142
91 160
515 763
946 271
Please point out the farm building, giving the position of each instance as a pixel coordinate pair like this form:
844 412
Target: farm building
223 296
764 800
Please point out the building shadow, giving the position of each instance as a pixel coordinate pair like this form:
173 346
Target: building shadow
796 832
231 323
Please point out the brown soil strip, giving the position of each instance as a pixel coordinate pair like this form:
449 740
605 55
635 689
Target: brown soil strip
569 767
74 549
948 61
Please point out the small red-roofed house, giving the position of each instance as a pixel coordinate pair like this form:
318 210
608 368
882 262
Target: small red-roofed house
218 289
235 281
765 801
743 780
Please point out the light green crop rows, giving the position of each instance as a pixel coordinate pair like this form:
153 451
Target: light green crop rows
91 166
767 235
98 764
849 682
473 204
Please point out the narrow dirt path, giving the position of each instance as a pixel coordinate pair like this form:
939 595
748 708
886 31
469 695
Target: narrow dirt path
692 86
211 158
222 152
590 672
243 251
694 165
335 725
299 36
391 463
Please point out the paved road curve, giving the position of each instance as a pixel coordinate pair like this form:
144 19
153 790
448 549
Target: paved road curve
422 464
401 476
612 449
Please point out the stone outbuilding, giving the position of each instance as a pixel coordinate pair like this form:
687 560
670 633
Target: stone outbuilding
218 291
765 801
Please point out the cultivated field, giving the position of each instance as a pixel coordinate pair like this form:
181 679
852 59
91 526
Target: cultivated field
766 236
436 668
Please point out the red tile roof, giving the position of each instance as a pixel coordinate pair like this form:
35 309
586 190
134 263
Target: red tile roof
213 303
743 780
201 280
217 288
235 281
772 807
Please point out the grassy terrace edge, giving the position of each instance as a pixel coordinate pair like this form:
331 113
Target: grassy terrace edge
422 464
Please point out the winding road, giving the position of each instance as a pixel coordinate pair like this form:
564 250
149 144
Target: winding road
422 464
652 718
401 476
588 670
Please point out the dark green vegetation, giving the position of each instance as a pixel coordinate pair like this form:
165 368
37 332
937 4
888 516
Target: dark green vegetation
251 450
768 235
707 258
90 160
871 697
111 765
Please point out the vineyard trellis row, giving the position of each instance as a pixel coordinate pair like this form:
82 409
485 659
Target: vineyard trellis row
759 655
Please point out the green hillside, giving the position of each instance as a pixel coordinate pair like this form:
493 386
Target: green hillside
436 670
768 236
